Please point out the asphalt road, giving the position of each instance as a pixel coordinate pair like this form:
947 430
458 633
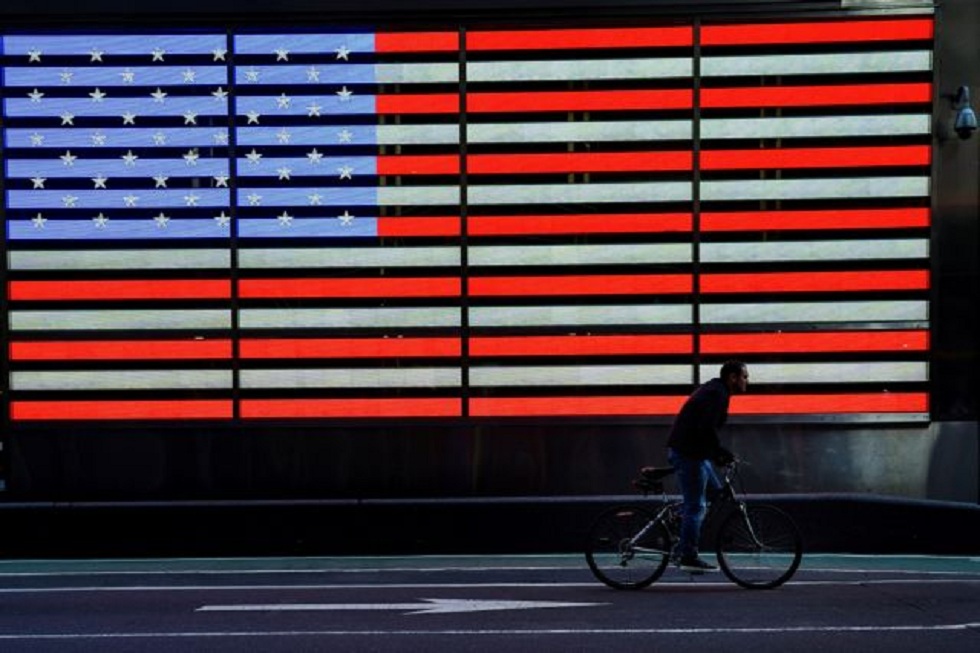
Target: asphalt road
499 604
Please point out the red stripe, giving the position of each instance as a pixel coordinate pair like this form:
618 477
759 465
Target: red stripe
814 281
401 227
883 402
518 102
830 32
318 408
296 348
570 406
815 96
579 162
577 39
580 345
432 164
807 220
830 341
121 410
816 157
581 285
416 42
121 350
409 103
385 287
119 290
599 223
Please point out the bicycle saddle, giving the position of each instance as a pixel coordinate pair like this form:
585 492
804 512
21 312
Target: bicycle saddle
651 478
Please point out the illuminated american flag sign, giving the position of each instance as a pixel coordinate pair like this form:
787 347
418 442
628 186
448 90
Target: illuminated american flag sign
468 222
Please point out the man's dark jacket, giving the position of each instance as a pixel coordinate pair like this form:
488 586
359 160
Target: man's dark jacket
694 433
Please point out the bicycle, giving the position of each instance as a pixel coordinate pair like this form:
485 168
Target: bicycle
758 546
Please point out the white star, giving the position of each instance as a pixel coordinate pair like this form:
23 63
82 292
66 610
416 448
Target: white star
191 157
344 94
343 52
283 101
35 96
253 157
68 158
131 200
158 54
346 218
191 200
282 54
312 74
345 136
159 95
66 76
69 201
221 181
39 221
316 199
313 110
189 76
283 135
285 220
220 138
161 220
254 199
98 138
314 157
222 219
97 95
67 118
190 118
284 173
97 55
220 94
37 140
128 76
101 221
219 54
251 75
161 181
38 182
129 158
99 181
345 172
33 55
253 117
129 118
159 138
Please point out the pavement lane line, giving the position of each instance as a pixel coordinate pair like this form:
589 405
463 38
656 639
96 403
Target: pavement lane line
872 629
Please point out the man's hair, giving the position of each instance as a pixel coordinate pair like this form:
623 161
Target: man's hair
731 367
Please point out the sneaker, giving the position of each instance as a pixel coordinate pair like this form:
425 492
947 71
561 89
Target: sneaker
696 566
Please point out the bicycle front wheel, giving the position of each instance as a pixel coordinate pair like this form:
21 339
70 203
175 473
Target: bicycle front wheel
622 554
759 548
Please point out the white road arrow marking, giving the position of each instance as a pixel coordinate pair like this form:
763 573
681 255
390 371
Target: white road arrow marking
428 606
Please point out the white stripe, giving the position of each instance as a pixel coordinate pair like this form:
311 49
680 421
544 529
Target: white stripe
529 255
817 64
338 257
416 134
417 195
668 191
313 318
815 250
816 126
579 316
573 132
139 259
857 372
564 70
792 189
815 312
581 375
396 73
353 378
108 320
123 380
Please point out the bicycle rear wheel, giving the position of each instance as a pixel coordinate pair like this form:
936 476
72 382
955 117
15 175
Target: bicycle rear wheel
762 552
621 560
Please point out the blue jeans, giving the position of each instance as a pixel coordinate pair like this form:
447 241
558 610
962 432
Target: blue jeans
693 476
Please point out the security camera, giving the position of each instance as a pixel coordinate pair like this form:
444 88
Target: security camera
966 117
